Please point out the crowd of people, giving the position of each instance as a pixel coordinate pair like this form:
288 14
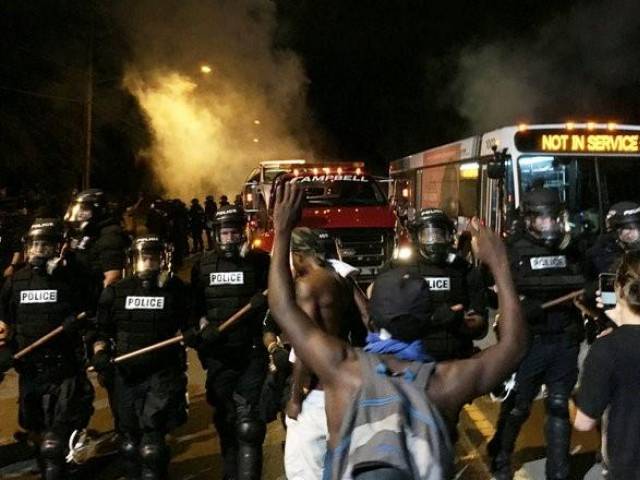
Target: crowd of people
369 385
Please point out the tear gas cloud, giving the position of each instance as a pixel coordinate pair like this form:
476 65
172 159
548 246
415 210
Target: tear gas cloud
211 128
582 65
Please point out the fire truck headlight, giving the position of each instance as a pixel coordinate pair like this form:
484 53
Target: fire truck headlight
402 253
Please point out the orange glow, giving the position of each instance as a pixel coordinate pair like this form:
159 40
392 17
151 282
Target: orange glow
570 125
315 171
339 171
611 126
249 197
296 172
405 192
522 127
326 170
591 125
358 171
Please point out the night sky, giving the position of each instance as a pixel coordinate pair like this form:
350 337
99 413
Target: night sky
383 79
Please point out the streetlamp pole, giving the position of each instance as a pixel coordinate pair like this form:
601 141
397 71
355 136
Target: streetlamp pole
88 109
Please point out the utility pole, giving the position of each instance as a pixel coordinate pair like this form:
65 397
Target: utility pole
88 107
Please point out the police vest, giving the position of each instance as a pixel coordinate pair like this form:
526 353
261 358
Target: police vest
42 303
543 273
447 285
229 284
143 317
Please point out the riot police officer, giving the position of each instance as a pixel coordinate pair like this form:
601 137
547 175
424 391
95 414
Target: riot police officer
96 238
457 290
55 396
622 235
224 280
146 307
544 268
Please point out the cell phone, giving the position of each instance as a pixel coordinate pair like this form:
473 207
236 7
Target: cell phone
606 286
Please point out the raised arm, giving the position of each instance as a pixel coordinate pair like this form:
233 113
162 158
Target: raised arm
319 351
463 380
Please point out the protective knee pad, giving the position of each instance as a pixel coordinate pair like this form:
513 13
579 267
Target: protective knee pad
130 457
52 455
52 446
155 456
251 432
558 406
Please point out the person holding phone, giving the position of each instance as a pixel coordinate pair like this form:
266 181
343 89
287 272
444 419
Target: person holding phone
610 379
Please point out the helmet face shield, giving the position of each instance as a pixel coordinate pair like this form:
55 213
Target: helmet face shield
148 258
629 236
41 250
230 238
433 236
78 214
547 225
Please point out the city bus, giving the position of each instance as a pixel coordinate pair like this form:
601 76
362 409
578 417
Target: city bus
591 165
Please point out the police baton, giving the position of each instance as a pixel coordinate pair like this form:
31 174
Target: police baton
178 338
44 339
562 299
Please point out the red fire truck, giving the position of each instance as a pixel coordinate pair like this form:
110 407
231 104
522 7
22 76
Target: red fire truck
341 198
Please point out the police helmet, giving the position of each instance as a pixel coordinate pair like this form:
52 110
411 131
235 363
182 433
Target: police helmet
88 206
43 241
434 233
149 257
230 216
624 219
544 216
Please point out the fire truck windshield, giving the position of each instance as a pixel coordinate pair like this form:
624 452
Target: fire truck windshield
580 181
339 190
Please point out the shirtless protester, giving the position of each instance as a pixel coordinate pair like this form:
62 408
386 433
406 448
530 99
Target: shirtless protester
409 401
328 299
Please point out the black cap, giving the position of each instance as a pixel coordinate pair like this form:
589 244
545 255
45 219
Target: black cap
399 298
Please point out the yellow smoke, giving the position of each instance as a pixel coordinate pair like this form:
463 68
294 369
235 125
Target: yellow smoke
206 141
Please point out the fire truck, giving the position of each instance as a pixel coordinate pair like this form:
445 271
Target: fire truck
340 198
591 165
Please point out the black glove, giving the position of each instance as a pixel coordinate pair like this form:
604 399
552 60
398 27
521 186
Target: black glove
6 359
532 310
280 358
259 301
72 324
191 338
443 317
101 361
210 333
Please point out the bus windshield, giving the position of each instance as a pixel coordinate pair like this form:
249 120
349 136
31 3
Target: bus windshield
580 181
350 190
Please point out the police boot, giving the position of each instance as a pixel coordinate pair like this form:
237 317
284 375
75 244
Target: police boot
501 446
155 455
558 433
52 457
251 434
130 457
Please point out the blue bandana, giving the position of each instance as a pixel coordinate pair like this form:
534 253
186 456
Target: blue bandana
411 352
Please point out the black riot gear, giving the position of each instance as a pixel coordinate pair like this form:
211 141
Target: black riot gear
43 241
433 232
229 218
624 219
544 216
88 207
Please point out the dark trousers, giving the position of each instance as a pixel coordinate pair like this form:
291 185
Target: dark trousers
552 361
234 385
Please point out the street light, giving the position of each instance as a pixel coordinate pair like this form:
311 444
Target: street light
206 69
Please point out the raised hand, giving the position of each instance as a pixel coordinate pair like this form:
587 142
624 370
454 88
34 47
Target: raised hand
487 246
288 207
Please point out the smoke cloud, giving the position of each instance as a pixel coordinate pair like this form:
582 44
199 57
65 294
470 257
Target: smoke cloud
583 65
211 128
